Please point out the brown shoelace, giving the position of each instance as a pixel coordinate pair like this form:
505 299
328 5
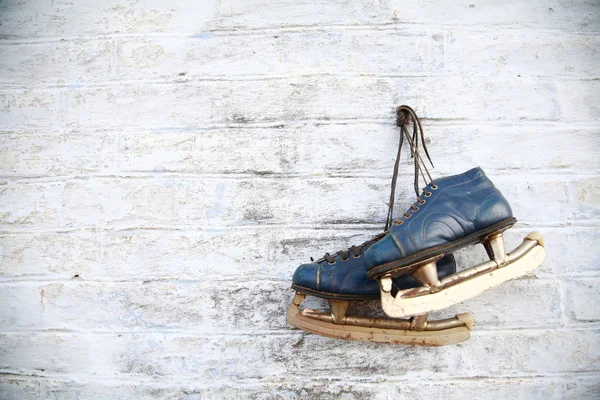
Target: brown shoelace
404 113
404 116
354 250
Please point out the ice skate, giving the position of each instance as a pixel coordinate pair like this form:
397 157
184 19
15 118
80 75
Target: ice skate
452 213
341 278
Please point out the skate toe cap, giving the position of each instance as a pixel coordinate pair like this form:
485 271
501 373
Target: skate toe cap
307 275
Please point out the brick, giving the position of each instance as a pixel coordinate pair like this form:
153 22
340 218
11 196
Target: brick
56 255
579 99
56 63
24 108
582 299
56 154
569 250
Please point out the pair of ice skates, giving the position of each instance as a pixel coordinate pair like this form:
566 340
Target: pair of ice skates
410 266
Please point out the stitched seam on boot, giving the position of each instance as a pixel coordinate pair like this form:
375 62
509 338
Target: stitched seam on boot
420 215
443 223
412 240
346 277
487 200
399 245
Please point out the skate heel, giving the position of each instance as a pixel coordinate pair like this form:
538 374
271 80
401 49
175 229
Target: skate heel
494 247
338 310
427 275
463 285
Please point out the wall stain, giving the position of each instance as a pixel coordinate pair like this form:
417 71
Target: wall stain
42 306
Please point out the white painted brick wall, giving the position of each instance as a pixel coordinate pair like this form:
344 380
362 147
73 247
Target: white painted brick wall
165 166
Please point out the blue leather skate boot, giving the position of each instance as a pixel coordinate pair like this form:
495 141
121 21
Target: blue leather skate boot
452 213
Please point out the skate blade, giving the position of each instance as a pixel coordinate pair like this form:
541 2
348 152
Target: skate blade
466 284
366 329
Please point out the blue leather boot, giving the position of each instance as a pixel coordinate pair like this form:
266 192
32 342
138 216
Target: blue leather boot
452 213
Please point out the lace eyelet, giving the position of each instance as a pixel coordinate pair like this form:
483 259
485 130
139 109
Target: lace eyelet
421 202
353 256
428 194
330 263
416 209
434 187
342 260
407 215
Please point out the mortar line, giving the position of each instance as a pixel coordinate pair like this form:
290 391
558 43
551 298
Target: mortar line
35 280
256 279
191 79
405 28
197 81
372 380
285 124
359 227
568 175
486 330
